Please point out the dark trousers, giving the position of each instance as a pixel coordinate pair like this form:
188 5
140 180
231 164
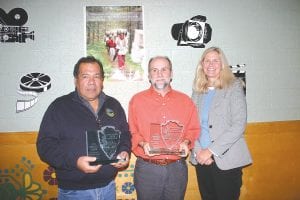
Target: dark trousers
217 184
155 182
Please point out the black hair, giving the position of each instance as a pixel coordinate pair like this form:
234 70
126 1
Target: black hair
88 59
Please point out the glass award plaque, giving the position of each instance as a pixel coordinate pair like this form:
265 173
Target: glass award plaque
103 145
166 138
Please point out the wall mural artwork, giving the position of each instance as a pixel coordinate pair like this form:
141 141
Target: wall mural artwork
194 32
30 86
114 35
25 180
11 26
17 182
124 184
239 72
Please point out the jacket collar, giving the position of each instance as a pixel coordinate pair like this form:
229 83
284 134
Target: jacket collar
76 97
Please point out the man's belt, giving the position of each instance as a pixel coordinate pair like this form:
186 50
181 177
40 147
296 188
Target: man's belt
161 162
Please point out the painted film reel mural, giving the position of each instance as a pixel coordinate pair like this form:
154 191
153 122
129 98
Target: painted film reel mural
31 85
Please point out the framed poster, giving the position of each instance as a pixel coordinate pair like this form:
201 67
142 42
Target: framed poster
115 36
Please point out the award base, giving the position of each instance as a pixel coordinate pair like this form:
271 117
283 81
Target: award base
103 162
164 151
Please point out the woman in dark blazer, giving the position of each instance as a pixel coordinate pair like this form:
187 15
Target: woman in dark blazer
221 151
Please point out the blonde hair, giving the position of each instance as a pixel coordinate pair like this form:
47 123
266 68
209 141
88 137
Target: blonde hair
200 83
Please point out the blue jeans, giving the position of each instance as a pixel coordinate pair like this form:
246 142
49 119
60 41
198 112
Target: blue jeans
104 193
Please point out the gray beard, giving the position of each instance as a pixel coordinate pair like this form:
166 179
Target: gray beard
160 86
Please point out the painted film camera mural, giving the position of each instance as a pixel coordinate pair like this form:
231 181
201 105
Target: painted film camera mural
11 26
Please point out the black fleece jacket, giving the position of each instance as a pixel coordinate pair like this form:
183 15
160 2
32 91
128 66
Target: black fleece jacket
62 138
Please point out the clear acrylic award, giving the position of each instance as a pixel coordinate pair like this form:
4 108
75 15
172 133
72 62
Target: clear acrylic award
103 145
166 138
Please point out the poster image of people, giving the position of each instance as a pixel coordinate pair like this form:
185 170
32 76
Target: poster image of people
114 35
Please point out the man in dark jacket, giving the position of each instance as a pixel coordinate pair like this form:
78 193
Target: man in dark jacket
62 136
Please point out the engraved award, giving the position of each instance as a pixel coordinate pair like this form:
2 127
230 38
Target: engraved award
166 138
103 145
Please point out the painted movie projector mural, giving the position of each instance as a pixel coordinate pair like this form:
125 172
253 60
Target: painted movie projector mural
11 26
